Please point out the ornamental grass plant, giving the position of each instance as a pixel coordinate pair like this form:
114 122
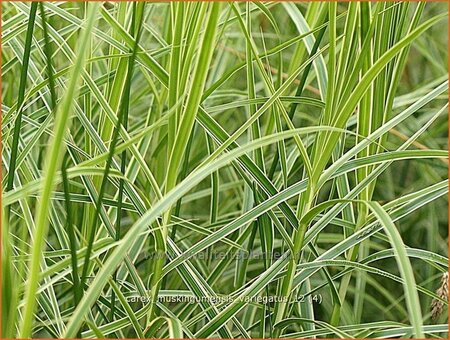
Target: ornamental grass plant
224 169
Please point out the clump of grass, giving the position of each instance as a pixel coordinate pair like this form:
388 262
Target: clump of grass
232 170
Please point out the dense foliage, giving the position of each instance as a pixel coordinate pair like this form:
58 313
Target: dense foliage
241 169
